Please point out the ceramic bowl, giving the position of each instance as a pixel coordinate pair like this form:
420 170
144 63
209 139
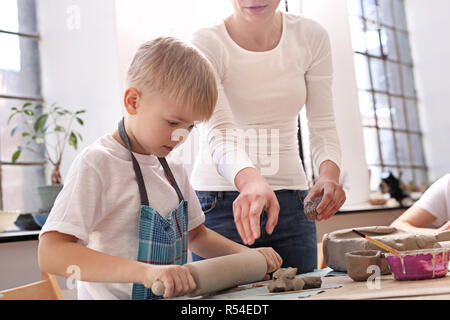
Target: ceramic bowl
419 264
7 219
40 218
360 262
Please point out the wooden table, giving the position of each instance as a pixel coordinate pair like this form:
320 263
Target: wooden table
344 288
389 288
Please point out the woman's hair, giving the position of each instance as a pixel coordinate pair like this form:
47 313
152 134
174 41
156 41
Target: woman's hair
176 70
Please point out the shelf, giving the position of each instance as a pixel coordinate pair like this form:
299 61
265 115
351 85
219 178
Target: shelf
20 235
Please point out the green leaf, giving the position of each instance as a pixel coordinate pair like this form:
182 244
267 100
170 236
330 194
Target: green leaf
26 105
40 122
16 156
14 109
29 112
26 134
80 112
73 140
59 129
11 116
80 121
38 107
13 131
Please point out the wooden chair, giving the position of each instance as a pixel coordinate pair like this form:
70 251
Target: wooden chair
46 289
320 260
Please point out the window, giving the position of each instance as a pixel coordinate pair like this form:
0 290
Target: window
386 91
19 83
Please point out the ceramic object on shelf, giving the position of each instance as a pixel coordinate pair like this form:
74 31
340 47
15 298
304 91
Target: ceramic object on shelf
40 218
26 222
48 195
7 219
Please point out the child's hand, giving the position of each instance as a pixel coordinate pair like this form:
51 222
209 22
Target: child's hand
273 259
177 279
445 227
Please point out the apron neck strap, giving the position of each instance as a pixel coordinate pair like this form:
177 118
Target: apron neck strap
137 169
170 177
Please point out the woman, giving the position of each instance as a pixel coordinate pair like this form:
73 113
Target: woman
268 65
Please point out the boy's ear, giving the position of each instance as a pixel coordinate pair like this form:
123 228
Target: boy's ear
131 100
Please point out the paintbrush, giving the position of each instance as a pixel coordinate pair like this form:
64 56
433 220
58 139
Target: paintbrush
377 243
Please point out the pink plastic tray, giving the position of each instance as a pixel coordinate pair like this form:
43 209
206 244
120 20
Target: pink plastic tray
419 264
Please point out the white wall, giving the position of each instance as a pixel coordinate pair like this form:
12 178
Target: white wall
333 15
138 21
79 64
429 28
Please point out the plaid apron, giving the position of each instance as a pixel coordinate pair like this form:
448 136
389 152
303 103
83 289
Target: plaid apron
162 241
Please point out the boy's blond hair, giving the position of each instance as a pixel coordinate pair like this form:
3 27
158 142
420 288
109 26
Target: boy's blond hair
176 70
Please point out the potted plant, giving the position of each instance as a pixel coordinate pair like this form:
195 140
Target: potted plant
41 123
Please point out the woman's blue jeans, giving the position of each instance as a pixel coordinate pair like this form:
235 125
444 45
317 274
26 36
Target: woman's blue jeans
294 237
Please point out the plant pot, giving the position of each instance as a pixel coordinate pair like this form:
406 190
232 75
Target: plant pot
48 195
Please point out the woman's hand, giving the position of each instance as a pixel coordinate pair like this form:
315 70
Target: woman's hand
255 196
327 187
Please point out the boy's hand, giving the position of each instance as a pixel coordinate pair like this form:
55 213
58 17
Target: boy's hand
177 279
445 227
273 259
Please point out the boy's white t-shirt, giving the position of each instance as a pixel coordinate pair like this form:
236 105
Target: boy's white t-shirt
99 204
436 200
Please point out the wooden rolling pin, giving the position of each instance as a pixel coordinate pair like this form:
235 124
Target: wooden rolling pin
224 272
442 244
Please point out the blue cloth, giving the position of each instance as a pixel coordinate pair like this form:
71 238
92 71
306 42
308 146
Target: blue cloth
294 237
161 242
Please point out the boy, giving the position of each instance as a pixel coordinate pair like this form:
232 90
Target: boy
124 216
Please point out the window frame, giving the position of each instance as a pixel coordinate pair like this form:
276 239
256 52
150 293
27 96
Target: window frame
39 98
368 24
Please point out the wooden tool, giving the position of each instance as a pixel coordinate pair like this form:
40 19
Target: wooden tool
377 243
215 274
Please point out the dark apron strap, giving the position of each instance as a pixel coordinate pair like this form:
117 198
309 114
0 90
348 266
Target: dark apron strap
137 169
172 180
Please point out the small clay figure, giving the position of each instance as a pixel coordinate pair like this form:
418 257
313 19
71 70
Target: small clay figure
284 280
310 208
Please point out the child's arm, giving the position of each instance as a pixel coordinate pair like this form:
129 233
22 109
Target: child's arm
415 220
57 251
208 244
